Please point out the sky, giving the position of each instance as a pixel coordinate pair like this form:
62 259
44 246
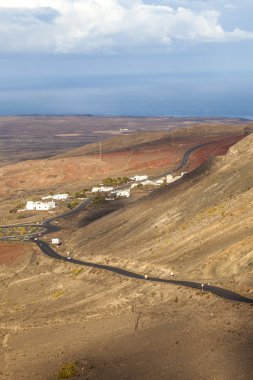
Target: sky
70 38
116 26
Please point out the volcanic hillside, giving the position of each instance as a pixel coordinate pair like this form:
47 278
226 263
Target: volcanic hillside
201 228
56 315
152 152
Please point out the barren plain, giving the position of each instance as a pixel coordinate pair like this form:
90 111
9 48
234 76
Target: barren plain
34 137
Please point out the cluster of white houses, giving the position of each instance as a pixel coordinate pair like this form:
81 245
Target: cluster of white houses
136 181
48 202
144 181
45 206
114 193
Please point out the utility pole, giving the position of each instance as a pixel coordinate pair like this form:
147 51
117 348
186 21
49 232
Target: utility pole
100 150
129 158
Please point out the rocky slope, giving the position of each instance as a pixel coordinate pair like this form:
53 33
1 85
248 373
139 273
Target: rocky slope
201 228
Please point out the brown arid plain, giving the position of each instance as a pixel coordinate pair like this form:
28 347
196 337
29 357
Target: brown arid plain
57 315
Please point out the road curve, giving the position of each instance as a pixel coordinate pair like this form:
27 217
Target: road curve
46 225
221 292
189 152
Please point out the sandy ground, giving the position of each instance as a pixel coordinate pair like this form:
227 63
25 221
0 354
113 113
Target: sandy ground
118 329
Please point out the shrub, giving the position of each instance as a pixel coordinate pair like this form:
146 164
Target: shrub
80 194
108 182
57 294
76 272
99 199
20 205
23 216
73 204
67 371
13 211
115 181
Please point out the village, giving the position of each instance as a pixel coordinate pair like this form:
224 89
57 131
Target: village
121 190
111 189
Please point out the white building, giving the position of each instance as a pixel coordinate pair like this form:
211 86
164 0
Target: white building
121 193
170 178
139 178
160 181
57 197
148 182
40 206
102 189
55 241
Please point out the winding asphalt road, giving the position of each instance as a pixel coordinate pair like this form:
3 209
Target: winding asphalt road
189 152
224 293
50 252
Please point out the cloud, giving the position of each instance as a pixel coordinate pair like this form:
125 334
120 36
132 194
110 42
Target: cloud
84 26
230 6
24 17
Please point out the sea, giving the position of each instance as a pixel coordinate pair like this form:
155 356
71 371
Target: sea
174 94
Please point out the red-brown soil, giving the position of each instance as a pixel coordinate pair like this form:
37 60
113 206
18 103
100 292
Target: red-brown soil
12 252
72 171
217 148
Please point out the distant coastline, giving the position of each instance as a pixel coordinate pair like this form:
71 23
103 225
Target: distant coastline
108 116
196 96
